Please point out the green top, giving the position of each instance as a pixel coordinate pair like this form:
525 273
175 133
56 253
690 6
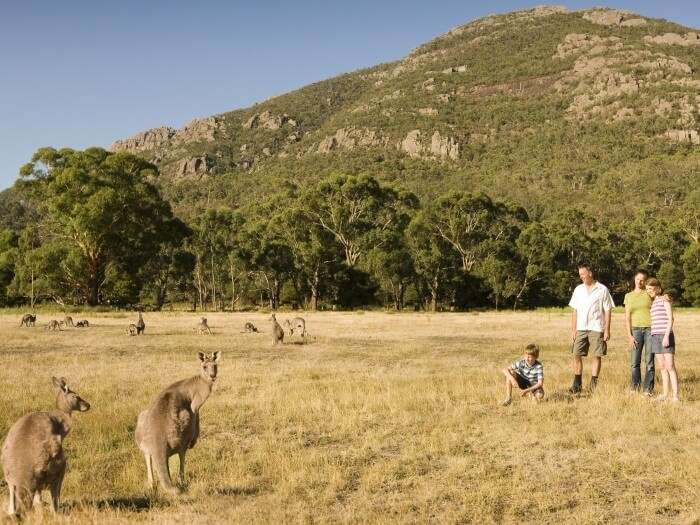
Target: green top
639 304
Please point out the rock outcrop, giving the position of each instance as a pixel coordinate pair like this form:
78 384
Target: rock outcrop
148 140
444 146
349 139
197 130
267 120
674 39
613 17
683 135
195 166
440 147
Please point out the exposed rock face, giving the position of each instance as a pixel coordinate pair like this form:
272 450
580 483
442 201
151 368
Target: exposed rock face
350 139
148 140
267 120
440 147
444 146
411 144
196 166
593 44
455 69
674 39
683 135
197 130
612 17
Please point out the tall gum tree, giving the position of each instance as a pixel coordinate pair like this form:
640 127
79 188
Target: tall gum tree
102 207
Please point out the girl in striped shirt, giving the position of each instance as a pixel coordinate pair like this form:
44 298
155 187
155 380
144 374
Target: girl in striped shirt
663 343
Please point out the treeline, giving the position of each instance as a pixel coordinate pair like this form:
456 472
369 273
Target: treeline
96 230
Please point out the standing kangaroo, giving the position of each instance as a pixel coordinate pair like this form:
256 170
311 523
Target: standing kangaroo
277 332
171 425
203 327
28 320
140 325
298 324
68 321
32 456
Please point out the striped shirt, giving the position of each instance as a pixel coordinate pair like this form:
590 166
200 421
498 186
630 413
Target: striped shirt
532 374
659 318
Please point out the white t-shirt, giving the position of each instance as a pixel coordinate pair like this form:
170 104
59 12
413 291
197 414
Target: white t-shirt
591 305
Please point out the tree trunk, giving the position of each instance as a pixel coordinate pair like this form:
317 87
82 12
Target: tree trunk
434 294
313 304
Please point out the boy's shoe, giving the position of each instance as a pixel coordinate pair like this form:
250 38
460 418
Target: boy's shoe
507 401
661 398
675 400
575 390
648 394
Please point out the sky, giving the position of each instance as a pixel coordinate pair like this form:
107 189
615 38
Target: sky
78 74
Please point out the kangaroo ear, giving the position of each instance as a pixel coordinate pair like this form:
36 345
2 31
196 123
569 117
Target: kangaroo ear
217 356
202 356
56 382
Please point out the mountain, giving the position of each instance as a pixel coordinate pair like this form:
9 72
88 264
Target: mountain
541 107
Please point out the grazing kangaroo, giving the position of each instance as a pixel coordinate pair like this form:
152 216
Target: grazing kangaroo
32 455
28 320
82 324
132 330
140 325
277 332
203 327
250 328
53 325
298 324
171 425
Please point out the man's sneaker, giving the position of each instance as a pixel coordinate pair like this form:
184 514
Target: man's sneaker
575 390
507 401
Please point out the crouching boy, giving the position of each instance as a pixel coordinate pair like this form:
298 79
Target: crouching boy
527 374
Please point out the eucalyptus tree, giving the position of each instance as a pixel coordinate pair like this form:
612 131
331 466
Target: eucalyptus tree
98 209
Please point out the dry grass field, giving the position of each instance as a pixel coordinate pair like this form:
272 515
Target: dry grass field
379 418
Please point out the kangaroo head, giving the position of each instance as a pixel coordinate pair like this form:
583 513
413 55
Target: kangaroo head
273 318
204 320
287 323
67 400
210 365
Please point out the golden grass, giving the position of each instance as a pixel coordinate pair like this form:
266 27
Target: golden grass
379 418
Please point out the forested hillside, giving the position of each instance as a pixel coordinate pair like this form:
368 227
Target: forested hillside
477 171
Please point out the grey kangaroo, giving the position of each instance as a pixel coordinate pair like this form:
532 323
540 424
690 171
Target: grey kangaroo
171 425
32 456
28 320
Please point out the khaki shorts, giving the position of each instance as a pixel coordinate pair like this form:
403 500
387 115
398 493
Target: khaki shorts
586 339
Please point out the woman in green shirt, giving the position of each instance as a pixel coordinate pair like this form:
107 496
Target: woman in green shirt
638 324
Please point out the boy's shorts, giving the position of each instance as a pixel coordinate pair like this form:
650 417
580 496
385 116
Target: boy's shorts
524 383
586 339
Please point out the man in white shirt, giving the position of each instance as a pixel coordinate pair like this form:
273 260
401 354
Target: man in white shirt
590 325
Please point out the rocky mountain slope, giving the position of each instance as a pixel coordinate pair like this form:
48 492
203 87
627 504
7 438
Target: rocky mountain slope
540 106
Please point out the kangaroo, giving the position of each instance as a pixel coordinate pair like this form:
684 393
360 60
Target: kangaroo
171 425
132 330
250 328
297 323
28 320
53 325
203 327
68 321
32 455
82 324
277 332
140 325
